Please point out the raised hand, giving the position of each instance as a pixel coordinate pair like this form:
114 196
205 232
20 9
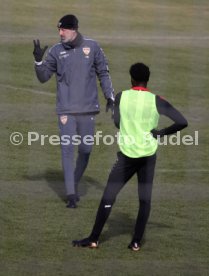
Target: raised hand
38 52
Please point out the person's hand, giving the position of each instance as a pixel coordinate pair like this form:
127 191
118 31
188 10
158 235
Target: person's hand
38 52
110 105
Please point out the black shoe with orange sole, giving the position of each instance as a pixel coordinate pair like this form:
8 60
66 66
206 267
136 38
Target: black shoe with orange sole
85 243
134 246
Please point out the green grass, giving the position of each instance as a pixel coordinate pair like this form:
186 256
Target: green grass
35 227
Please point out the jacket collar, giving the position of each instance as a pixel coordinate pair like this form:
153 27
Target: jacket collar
73 44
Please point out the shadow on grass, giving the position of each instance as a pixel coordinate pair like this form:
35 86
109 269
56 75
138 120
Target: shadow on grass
123 224
153 224
55 181
88 182
119 224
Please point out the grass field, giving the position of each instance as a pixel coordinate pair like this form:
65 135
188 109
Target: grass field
35 227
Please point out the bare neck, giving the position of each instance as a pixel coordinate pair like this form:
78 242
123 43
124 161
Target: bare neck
141 84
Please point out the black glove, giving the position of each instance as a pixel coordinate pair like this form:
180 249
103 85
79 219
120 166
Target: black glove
38 52
110 105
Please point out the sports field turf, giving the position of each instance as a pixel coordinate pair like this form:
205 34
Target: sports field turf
36 229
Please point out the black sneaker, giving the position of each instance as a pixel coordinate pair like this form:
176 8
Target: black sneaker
71 201
71 204
134 246
85 243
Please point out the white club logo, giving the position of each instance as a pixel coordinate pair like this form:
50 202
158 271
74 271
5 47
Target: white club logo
63 119
86 50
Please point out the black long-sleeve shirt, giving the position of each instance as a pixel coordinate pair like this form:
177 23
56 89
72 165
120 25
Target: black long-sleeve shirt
163 108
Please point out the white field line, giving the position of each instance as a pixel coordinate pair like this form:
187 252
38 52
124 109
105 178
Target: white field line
7 86
166 170
155 37
186 170
119 37
115 37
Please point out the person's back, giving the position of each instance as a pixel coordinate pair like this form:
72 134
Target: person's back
136 114
139 116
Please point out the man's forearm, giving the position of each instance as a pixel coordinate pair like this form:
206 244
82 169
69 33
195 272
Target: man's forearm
42 73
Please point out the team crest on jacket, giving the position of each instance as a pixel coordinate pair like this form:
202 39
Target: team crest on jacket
86 50
63 119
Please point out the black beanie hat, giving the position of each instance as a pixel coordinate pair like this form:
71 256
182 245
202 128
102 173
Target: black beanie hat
68 21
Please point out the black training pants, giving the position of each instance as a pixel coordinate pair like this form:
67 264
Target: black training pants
122 171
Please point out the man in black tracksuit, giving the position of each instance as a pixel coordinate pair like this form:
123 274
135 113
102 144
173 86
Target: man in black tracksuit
76 61
137 111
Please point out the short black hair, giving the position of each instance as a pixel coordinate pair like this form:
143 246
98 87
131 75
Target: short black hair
139 72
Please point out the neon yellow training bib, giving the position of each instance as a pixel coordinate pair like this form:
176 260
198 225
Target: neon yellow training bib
138 116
